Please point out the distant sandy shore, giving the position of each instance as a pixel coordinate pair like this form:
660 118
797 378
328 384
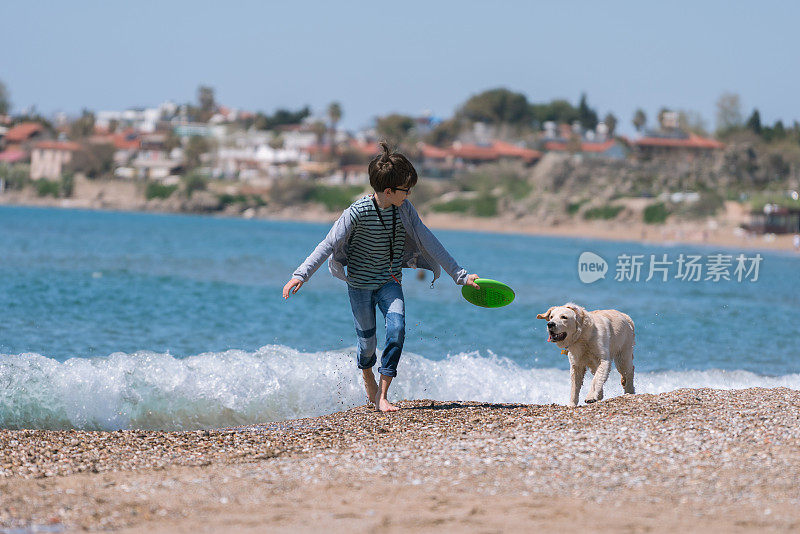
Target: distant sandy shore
661 235
693 460
722 232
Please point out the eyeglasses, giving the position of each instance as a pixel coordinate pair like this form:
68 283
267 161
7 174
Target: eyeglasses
406 191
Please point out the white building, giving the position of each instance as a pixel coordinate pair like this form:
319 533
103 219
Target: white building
140 119
252 153
48 158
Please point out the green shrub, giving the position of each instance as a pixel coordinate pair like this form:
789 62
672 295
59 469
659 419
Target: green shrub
656 213
485 206
512 182
194 182
67 184
334 197
482 206
602 212
760 200
707 205
46 187
16 177
226 199
290 191
157 190
457 205
255 200
573 207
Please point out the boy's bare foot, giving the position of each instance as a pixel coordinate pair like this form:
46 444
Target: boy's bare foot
382 404
370 385
380 397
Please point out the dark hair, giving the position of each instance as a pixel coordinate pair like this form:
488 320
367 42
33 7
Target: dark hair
391 169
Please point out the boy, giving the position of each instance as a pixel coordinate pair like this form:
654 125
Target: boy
375 238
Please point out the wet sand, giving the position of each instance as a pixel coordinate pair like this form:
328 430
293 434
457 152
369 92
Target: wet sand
697 460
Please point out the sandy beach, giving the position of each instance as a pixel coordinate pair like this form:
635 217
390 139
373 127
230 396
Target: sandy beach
721 232
698 460
668 234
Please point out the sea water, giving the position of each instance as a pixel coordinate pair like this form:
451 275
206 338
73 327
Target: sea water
127 320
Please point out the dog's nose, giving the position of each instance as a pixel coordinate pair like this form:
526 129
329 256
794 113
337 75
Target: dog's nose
551 324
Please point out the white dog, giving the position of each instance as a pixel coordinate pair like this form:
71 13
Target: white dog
592 339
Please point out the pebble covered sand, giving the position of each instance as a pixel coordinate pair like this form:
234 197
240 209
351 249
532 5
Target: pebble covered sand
696 459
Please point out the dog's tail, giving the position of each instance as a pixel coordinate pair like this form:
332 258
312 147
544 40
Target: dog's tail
633 329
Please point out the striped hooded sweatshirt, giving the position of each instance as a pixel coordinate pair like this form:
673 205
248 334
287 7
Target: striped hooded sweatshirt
421 249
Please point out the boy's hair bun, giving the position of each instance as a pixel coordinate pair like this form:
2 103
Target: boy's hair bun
386 151
387 154
391 169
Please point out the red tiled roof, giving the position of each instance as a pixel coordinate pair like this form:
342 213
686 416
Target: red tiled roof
59 145
127 140
555 146
496 150
507 149
473 152
430 151
597 147
12 156
558 146
23 131
694 141
368 149
123 142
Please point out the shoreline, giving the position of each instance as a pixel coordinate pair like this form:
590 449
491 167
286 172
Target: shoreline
721 234
696 459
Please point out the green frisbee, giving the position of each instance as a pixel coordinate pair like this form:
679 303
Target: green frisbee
492 294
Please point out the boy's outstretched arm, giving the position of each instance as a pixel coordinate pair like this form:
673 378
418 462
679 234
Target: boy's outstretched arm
339 231
292 287
440 254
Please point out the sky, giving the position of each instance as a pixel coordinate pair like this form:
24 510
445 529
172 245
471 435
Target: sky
408 57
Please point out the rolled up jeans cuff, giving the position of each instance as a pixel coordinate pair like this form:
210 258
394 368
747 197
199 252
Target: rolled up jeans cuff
370 363
386 371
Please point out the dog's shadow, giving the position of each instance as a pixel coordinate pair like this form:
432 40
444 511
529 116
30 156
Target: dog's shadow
456 405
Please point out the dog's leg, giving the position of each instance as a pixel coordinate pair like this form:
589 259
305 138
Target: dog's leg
576 375
600 377
625 367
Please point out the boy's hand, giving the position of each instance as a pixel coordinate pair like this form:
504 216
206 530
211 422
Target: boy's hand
291 287
471 281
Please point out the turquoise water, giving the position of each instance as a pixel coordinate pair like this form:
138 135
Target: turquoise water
123 320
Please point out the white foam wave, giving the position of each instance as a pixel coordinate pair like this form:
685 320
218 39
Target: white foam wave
148 390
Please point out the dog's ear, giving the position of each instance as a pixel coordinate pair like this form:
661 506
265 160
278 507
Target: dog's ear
545 315
581 319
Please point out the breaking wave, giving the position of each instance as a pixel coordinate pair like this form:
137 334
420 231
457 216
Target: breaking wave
148 390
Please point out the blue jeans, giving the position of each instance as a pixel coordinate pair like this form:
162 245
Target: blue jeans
389 298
